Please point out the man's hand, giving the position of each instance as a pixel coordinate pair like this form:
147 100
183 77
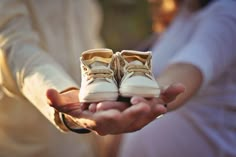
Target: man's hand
66 102
114 117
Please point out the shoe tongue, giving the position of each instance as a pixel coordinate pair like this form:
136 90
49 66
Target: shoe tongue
98 65
136 62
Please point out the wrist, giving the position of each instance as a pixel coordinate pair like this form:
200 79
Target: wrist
72 125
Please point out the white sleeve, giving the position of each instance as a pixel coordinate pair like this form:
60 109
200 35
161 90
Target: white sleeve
212 47
26 67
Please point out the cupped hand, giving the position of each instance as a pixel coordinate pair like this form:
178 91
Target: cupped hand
138 114
68 102
110 117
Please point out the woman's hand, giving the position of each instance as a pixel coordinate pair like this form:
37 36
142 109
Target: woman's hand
110 117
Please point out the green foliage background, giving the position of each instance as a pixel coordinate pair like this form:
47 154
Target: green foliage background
126 23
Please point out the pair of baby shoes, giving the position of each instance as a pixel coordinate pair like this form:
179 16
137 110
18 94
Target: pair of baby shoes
106 75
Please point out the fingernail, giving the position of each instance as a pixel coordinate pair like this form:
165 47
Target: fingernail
134 100
92 108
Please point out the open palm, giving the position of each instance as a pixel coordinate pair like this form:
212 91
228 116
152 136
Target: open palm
111 117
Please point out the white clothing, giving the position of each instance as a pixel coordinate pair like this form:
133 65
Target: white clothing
205 126
40 45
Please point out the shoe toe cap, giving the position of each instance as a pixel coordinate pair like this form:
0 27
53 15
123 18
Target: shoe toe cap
140 81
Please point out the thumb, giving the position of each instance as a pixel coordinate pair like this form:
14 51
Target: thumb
172 92
53 97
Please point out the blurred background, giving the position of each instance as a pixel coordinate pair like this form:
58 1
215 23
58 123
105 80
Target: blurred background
126 23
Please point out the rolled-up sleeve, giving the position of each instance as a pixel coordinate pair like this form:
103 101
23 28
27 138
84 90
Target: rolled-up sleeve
27 69
212 48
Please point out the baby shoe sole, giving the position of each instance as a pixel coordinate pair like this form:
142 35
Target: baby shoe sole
98 97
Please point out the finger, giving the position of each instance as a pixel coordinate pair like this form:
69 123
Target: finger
150 101
155 103
70 109
113 121
156 111
136 110
70 96
63 102
172 92
84 106
92 107
130 115
106 105
54 97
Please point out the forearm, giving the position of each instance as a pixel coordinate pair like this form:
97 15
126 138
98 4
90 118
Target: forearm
27 69
184 73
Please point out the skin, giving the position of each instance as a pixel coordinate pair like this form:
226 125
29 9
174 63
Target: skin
114 117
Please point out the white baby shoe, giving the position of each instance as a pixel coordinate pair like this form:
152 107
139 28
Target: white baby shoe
97 72
135 76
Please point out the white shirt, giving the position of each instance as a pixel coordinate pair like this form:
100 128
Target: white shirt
206 39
